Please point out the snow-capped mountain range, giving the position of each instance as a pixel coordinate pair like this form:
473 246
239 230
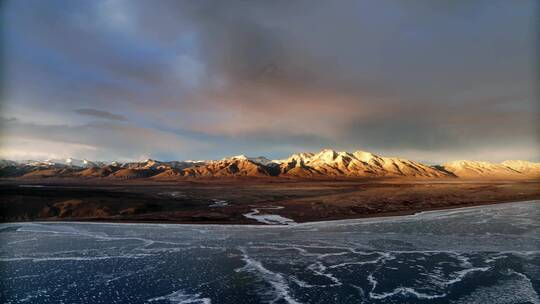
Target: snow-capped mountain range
324 164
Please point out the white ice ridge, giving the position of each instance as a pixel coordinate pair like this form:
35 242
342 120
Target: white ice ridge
382 256
181 297
276 280
319 269
463 273
411 291
270 219
400 290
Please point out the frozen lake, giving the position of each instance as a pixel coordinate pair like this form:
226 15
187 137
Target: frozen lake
488 254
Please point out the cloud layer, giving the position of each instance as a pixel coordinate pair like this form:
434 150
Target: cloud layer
99 114
428 80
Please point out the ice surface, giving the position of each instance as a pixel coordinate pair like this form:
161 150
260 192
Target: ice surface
488 254
181 297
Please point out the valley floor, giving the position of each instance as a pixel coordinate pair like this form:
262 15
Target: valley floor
244 201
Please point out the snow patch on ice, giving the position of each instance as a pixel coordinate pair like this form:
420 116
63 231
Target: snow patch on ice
173 194
270 219
216 203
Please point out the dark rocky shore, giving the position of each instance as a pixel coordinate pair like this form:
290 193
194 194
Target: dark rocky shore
225 201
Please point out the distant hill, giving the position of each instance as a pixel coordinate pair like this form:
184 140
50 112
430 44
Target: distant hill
324 164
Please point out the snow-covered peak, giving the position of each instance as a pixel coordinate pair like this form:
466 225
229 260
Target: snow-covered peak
523 166
470 164
262 160
259 160
327 162
74 162
519 163
364 156
239 157
326 155
329 157
7 163
299 158
146 164
473 169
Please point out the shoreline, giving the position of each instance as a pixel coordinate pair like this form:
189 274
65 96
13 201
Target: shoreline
195 203
382 216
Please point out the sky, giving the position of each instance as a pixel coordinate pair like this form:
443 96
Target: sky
431 81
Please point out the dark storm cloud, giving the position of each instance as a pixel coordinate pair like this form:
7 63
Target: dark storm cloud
99 114
442 77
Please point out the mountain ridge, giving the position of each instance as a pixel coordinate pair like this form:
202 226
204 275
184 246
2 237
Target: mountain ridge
327 163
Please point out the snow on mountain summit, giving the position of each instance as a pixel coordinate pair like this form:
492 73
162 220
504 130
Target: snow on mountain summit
483 169
325 163
329 162
522 166
259 160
